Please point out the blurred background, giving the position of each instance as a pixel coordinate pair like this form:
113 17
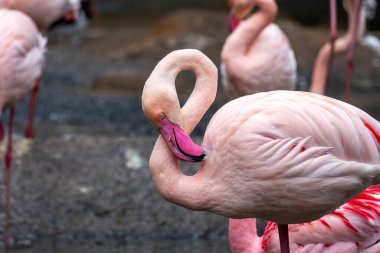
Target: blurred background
83 184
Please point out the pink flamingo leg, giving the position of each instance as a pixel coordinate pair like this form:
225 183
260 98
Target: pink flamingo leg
351 53
333 18
8 162
29 131
284 237
2 132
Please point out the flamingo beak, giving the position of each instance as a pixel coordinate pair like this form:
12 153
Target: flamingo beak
233 22
180 143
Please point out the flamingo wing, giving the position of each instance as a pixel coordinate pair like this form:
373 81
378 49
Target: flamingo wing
352 228
355 225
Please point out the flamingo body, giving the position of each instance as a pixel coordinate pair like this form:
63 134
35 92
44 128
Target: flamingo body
21 56
269 142
257 57
285 156
352 228
43 12
263 68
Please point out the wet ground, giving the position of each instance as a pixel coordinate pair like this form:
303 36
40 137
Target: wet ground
84 181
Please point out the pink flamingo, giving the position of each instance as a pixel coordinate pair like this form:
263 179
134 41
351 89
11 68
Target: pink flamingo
353 228
44 13
284 156
21 62
256 56
356 28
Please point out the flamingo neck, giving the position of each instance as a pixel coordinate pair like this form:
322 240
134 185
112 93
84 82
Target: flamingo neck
242 235
204 92
187 191
244 36
173 185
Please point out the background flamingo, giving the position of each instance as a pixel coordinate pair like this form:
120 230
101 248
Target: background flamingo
44 13
21 62
354 227
257 55
356 29
258 162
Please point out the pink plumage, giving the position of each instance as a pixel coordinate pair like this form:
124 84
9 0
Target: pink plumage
21 55
352 228
43 12
257 55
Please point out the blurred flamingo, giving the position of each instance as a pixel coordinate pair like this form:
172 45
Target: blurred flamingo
356 29
353 228
44 13
285 156
21 61
256 56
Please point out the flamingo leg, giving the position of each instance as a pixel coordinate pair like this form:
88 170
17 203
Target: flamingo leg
29 131
325 56
284 237
351 53
8 162
2 131
333 17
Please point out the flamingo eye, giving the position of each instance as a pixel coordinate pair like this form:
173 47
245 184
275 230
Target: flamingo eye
162 115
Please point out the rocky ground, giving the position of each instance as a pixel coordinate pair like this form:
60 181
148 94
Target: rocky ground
86 176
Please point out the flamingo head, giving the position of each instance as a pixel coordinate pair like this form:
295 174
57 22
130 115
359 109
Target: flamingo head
164 114
239 9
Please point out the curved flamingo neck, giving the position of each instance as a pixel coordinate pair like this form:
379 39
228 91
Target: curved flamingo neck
243 236
172 184
204 92
321 66
244 36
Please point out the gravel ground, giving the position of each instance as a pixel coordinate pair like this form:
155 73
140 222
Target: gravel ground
87 187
